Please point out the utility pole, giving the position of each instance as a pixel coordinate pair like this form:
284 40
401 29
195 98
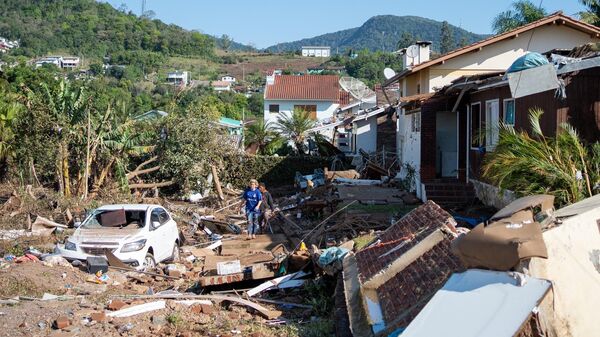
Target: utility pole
143 7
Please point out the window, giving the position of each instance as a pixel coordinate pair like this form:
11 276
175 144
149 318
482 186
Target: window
418 88
509 112
311 109
477 136
159 215
273 108
415 121
492 123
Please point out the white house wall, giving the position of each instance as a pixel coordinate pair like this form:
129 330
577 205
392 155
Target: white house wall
409 147
324 109
366 135
499 56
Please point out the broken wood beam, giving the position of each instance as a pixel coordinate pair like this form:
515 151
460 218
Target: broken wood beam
217 182
134 174
152 185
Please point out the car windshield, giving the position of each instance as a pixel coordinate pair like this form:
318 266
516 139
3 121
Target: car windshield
120 218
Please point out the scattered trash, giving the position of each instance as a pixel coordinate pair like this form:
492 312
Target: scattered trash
138 309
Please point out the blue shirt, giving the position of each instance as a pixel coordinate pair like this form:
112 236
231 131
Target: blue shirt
252 199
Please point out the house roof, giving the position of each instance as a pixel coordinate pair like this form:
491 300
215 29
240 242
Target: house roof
221 84
555 18
306 87
479 303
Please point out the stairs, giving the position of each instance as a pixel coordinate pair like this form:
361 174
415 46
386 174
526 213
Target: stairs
449 192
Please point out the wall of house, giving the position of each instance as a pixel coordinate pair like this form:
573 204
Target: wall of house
499 56
366 134
324 109
573 265
409 146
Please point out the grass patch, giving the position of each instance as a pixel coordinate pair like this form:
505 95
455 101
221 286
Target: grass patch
362 241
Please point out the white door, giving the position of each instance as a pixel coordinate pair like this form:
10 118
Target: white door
162 233
492 124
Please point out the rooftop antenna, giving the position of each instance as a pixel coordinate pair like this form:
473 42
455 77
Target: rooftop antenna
412 52
388 73
357 89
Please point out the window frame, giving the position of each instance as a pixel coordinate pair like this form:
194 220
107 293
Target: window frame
271 110
415 121
479 142
504 105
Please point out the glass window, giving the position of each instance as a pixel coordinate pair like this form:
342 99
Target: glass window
509 112
163 217
273 108
476 133
416 122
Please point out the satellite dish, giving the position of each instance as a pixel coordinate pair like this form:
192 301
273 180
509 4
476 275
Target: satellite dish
412 51
388 73
356 88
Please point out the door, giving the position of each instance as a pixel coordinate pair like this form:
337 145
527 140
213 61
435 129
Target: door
162 234
492 124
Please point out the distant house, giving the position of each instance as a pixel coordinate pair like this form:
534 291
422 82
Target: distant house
180 78
316 51
429 140
220 86
69 62
151 115
55 60
318 95
228 78
317 70
235 130
6 45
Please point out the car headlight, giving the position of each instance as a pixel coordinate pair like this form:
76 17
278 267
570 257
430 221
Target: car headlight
70 246
133 246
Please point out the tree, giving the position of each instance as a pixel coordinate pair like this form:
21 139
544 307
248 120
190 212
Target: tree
463 41
537 164
592 15
447 38
149 14
294 126
8 113
522 13
405 40
225 42
261 134
256 104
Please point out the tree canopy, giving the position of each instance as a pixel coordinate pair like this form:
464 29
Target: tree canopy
521 13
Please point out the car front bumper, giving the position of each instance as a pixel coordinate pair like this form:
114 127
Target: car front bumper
134 259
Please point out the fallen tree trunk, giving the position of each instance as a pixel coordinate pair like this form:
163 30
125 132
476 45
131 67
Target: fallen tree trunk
134 174
152 185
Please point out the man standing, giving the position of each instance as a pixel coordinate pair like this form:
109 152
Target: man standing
253 199
266 207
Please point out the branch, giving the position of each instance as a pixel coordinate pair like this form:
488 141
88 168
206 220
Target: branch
136 173
153 185
151 160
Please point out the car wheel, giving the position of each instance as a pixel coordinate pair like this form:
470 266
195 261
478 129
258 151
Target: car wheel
149 262
175 254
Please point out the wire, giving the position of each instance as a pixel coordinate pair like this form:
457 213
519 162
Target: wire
527 49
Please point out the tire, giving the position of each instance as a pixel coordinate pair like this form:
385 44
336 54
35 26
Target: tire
149 262
175 255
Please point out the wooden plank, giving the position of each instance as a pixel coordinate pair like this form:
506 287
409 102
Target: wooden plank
217 182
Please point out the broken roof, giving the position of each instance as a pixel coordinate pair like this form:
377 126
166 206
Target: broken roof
557 18
479 303
398 274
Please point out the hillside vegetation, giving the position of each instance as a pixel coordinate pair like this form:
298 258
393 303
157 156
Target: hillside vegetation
90 28
381 33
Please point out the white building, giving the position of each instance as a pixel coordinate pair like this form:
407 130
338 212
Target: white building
69 62
228 78
422 76
178 78
55 60
219 86
316 51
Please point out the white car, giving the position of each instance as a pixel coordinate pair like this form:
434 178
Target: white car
139 235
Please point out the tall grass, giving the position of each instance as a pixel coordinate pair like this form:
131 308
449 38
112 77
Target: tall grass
536 164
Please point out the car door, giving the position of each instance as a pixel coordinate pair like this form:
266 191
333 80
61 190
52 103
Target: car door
162 233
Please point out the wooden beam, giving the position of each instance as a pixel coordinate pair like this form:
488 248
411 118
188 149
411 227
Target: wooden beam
217 182
152 185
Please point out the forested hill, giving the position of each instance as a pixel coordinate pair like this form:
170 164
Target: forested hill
381 33
91 28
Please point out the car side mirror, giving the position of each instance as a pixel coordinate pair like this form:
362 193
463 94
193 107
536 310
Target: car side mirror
155 224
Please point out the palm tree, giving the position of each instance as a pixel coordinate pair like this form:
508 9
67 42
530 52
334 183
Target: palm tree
592 15
261 134
536 164
522 13
294 126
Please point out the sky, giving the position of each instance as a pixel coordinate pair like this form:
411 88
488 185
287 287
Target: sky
266 22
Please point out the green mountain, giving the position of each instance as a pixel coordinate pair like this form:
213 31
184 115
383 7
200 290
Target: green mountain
91 28
381 33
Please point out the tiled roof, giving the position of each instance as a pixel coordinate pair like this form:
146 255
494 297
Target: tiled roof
417 224
221 84
554 18
305 87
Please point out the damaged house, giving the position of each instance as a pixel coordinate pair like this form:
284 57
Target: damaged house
432 131
390 281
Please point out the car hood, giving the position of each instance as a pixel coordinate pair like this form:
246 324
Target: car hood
106 235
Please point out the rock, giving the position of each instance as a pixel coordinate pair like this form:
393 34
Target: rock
62 322
196 309
159 320
207 309
174 273
203 319
98 316
116 305
139 289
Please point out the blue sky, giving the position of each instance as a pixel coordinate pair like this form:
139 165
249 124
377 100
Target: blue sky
266 22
